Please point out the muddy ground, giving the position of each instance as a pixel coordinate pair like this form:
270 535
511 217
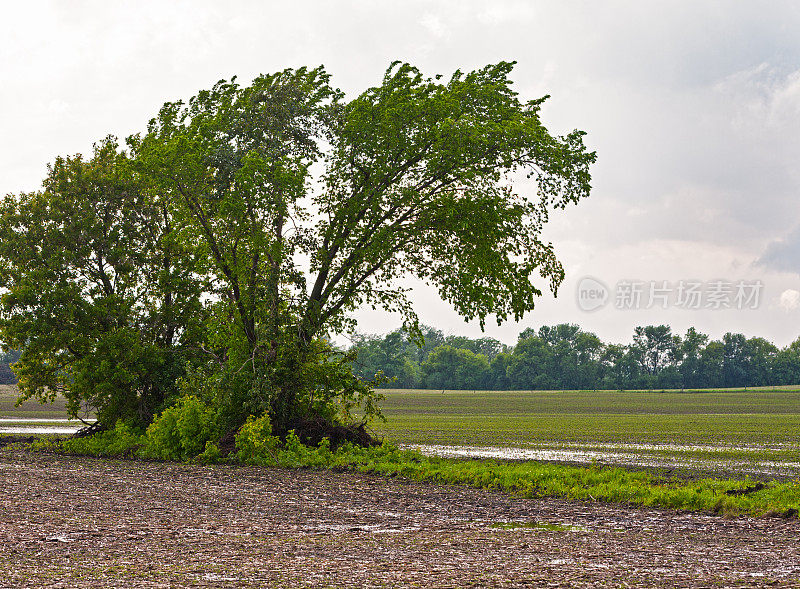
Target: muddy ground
80 522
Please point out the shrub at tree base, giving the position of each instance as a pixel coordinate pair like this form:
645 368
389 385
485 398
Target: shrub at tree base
312 431
255 443
181 432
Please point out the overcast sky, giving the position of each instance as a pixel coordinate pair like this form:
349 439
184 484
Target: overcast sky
693 109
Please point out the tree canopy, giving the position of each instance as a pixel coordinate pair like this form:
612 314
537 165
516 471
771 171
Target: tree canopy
217 252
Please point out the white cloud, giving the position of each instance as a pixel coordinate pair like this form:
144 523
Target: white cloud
790 299
433 25
762 94
500 12
58 106
783 254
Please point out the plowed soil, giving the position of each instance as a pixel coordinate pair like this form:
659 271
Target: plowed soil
81 522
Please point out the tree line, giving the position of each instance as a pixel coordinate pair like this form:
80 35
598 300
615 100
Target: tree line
566 357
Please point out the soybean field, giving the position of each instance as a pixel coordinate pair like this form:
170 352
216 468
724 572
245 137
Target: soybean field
751 432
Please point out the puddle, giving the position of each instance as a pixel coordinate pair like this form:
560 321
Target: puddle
65 539
42 420
40 425
627 447
607 455
516 525
39 430
217 577
371 528
561 561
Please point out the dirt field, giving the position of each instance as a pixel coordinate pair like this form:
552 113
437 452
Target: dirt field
75 522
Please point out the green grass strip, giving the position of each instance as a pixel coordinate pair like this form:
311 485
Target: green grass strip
594 483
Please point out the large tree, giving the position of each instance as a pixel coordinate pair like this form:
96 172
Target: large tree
414 177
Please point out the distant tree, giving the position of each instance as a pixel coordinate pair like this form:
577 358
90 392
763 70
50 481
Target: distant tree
555 334
669 377
710 365
453 368
7 376
655 346
498 372
396 355
734 364
411 376
786 365
745 362
487 346
566 357
574 356
369 357
589 351
621 367
562 365
530 366
691 348
760 358
392 354
432 338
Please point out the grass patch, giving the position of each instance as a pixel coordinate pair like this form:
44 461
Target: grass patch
537 526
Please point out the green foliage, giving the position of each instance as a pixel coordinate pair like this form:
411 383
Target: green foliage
607 484
255 443
123 440
182 431
237 161
211 454
257 446
460 368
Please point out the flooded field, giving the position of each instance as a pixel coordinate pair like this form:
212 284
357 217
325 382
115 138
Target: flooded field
81 522
34 418
73 521
519 418
731 433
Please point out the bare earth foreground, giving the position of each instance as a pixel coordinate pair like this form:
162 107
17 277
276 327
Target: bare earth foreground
81 522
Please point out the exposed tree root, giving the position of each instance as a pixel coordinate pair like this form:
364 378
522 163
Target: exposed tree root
312 430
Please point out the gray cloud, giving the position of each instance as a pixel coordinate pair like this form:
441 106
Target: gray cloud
783 255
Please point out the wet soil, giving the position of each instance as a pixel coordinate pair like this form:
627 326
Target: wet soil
82 522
